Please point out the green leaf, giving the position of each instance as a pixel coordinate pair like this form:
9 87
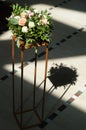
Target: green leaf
13 21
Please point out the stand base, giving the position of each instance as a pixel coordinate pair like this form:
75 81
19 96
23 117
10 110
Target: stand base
33 116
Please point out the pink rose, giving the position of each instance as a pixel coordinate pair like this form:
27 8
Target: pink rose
22 21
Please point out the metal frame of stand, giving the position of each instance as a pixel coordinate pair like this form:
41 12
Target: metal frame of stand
22 111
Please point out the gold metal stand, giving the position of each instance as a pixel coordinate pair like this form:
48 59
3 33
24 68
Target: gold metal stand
22 111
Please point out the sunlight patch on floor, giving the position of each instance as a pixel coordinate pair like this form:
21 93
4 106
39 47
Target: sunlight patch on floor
7 35
69 17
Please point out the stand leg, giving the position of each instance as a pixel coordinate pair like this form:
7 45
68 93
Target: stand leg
35 70
43 101
21 93
13 75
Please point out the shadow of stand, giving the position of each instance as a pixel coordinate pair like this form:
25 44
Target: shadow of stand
60 76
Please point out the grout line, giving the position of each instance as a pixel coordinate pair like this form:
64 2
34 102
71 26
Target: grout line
62 3
63 40
69 36
62 107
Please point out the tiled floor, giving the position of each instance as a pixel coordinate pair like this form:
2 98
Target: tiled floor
65 106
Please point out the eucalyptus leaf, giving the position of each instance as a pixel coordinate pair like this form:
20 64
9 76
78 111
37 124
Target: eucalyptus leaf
14 21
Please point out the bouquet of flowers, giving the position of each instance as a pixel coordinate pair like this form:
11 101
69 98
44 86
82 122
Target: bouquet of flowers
30 25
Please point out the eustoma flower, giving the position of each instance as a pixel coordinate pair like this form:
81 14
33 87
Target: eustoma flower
30 14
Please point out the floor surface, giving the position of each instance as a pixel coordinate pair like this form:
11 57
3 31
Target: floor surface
65 105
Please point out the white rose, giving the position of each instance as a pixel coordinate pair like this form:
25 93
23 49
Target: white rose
31 24
17 17
24 29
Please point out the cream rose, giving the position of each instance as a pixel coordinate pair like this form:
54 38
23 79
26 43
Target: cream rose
44 21
23 14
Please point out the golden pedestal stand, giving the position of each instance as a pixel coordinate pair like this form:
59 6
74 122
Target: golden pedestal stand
22 111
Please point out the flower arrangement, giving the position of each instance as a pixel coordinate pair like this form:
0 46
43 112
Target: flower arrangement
30 25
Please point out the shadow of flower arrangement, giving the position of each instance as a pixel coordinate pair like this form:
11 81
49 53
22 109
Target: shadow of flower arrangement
61 75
